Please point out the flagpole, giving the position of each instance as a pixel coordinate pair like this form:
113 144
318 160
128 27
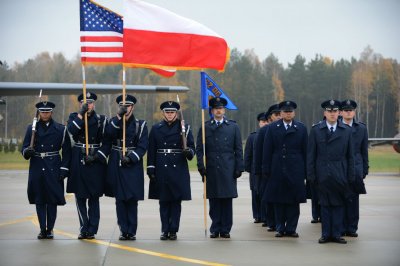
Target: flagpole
203 135
86 118
123 118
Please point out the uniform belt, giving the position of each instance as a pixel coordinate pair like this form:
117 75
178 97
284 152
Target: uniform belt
47 154
118 148
169 150
91 146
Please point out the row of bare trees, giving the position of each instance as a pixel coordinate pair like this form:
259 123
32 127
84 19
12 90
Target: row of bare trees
253 84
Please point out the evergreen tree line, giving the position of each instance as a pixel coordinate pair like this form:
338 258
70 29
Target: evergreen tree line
252 84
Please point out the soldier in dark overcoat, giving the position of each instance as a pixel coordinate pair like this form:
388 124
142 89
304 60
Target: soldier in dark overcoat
330 165
267 209
47 169
360 143
125 175
168 169
88 172
249 167
284 166
224 164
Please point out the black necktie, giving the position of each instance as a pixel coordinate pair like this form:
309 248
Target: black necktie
287 126
330 133
218 123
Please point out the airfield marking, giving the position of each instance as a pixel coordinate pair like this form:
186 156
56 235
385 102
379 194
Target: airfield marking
34 220
28 218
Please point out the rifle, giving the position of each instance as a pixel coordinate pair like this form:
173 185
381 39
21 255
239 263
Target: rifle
184 140
34 122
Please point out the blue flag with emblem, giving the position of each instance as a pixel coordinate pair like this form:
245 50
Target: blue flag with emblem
211 89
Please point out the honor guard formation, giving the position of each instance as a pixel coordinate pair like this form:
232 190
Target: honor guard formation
286 164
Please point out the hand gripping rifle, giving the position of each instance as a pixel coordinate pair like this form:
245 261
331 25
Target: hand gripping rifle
34 122
184 140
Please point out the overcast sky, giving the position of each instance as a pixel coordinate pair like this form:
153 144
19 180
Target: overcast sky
286 28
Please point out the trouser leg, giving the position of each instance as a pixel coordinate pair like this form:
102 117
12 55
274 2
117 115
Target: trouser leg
352 215
255 204
326 223
94 215
41 214
337 220
51 216
226 215
270 214
132 206
215 215
292 217
279 210
175 216
82 214
122 217
164 215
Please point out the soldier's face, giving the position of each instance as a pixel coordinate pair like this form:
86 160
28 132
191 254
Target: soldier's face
170 116
275 116
129 112
262 123
287 115
91 106
218 112
331 115
348 114
45 116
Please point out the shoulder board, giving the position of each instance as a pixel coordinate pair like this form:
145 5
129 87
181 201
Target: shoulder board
253 132
233 121
59 126
159 124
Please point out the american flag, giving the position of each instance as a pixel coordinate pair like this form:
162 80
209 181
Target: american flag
101 34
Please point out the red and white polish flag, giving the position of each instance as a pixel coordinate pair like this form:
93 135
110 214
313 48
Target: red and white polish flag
156 37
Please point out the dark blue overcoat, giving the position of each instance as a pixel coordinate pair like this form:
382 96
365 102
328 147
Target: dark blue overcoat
171 169
248 160
86 180
258 149
44 183
284 162
260 181
126 183
330 163
361 164
224 156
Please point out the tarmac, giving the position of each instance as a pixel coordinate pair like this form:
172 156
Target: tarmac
250 244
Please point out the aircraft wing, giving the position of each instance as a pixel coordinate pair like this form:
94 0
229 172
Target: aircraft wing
384 139
32 88
380 141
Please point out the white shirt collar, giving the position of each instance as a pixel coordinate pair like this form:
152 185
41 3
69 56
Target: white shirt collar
329 126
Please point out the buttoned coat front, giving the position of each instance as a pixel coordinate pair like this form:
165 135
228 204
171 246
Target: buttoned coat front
284 162
87 180
170 168
126 182
224 156
330 163
44 183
